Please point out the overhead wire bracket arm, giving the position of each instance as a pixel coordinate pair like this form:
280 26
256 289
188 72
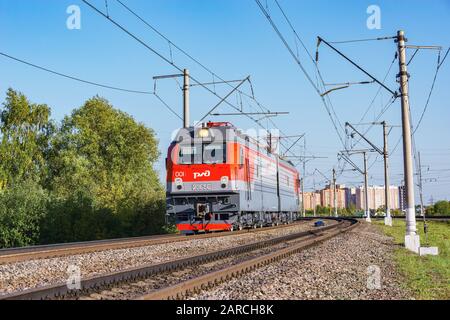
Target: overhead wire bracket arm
225 98
347 159
358 67
292 145
364 138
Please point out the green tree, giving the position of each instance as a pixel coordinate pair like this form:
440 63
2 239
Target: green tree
25 133
90 178
106 152
22 207
442 208
102 176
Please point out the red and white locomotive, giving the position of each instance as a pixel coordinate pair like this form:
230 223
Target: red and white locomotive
221 179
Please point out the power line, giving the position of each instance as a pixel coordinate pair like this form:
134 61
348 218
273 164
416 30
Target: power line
172 44
161 56
439 64
363 40
379 89
91 82
317 69
203 66
167 106
288 47
74 78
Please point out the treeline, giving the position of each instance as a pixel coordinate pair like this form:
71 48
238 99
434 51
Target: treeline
89 177
440 208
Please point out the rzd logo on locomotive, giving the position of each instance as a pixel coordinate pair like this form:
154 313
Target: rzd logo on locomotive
205 174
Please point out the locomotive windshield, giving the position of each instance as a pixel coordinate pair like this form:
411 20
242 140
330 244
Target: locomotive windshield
214 153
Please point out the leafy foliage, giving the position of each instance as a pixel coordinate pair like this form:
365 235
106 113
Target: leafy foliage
22 206
90 178
442 208
25 132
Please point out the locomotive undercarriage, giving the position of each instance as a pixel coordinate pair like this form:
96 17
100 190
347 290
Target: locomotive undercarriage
207 213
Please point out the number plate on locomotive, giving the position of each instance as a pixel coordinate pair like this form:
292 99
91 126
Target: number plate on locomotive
202 187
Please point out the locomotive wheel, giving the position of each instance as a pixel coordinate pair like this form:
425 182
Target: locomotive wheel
231 228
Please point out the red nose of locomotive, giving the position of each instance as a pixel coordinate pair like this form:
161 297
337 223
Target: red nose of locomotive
200 178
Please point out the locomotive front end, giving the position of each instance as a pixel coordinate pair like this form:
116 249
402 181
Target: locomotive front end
201 191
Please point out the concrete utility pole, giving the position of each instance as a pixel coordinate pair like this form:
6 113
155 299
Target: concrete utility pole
304 160
186 86
412 239
385 154
387 187
314 197
302 185
334 194
345 155
421 188
366 188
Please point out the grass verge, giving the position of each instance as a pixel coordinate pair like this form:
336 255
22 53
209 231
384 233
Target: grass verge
427 277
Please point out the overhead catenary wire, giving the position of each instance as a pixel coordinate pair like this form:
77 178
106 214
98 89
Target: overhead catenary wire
299 63
379 89
161 56
363 40
74 78
319 74
214 75
203 66
92 83
439 65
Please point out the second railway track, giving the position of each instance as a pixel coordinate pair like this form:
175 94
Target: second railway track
59 250
163 280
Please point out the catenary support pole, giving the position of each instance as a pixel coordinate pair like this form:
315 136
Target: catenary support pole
186 98
334 194
412 240
387 187
366 188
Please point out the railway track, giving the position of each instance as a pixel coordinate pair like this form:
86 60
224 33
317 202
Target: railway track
195 272
60 250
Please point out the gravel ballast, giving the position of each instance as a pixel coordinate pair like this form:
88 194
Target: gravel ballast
339 268
36 273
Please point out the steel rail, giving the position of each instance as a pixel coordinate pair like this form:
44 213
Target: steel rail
206 281
59 250
61 291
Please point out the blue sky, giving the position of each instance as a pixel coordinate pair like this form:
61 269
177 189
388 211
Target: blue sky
234 39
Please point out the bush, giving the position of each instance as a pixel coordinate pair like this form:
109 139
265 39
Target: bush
22 206
78 218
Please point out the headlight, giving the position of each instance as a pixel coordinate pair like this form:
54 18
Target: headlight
179 183
203 133
224 182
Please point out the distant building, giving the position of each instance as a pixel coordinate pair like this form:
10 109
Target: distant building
350 197
327 196
377 197
354 197
402 197
312 200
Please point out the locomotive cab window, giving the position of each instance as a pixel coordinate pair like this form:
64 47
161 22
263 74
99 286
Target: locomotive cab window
214 153
202 154
188 154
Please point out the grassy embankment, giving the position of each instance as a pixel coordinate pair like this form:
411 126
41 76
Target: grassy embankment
427 277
